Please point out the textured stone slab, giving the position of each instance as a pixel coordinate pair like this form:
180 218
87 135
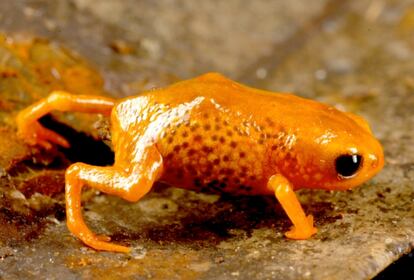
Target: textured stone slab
356 56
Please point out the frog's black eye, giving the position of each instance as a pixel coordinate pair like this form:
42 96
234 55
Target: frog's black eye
347 165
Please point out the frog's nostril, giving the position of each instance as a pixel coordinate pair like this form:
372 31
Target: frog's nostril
373 160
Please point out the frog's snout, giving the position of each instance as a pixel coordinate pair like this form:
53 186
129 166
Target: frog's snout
376 159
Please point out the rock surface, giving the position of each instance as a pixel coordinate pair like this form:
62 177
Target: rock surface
355 55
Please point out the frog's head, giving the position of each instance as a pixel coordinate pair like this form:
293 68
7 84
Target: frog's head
343 153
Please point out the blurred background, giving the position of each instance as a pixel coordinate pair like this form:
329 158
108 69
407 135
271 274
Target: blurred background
355 55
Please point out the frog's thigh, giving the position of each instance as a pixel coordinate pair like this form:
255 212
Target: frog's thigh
131 184
302 225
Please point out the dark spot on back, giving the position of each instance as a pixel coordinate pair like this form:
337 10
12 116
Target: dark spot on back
198 138
230 171
207 149
191 152
233 144
194 127
207 127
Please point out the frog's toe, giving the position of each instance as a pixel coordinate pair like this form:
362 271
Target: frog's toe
52 137
107 246
101 245
46 145
304 232
103 237
294 233
35 134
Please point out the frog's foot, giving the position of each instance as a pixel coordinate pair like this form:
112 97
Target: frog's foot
304 232
99 242
35 134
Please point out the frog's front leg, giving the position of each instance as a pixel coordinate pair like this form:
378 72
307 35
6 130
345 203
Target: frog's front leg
302 225
131 184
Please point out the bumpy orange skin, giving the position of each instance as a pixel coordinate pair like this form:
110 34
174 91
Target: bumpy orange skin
212 134
215 134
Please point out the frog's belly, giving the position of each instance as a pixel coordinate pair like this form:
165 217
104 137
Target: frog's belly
202 174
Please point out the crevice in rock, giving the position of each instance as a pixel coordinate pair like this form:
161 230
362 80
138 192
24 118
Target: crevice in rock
84 148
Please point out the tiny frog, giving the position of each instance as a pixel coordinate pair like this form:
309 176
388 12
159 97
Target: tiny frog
211 134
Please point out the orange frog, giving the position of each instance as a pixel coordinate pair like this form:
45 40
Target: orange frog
212 134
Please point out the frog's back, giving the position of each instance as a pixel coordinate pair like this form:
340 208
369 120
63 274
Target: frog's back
232 96
282 108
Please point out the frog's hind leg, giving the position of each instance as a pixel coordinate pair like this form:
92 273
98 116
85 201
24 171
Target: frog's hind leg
130 184
33 132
